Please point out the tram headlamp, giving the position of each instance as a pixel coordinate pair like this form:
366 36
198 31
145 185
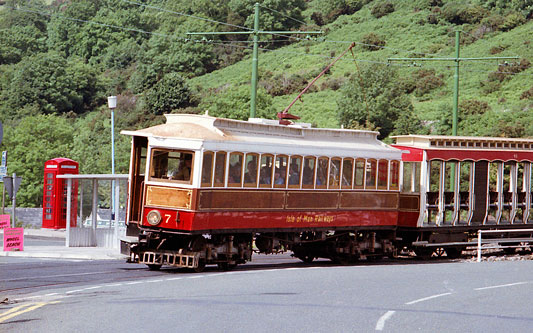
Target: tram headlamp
154 217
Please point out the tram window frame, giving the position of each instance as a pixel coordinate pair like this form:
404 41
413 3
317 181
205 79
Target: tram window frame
334 174
297 175
160 169
321 163
209 172
308 183
247 173
394 179
383 174
347 183
231 170
280 168
269 169
218 179
360 165
371 169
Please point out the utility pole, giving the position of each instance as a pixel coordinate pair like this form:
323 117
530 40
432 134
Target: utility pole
255 55
457 61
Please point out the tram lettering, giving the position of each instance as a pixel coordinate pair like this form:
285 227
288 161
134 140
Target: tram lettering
167 217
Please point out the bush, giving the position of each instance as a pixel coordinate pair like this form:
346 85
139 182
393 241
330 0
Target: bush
527 94
512 21
473 107
382 8
460 13
507 69
497 49
372 42
425 81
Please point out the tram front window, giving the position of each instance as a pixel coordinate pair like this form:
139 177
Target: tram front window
171 165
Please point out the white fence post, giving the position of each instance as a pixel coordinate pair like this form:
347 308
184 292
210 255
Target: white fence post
479 246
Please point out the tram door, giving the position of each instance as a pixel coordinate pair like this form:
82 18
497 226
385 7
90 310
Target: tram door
136 187
55 193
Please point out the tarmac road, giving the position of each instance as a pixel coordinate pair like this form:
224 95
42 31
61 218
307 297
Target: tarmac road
268 295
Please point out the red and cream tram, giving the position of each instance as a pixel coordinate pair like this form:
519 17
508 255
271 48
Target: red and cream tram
207 190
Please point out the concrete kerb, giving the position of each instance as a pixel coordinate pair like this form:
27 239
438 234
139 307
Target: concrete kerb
61 252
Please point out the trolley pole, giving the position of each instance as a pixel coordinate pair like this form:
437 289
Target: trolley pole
255 55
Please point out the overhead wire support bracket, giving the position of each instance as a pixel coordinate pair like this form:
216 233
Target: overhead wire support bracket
255 33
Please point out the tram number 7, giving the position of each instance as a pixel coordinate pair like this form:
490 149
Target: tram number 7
167 217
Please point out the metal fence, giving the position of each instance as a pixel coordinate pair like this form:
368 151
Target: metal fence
496 243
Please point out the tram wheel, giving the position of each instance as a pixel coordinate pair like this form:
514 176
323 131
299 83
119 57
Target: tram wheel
423 253
225 266
306 258
453 253
201 266
198 244
154 267
439 252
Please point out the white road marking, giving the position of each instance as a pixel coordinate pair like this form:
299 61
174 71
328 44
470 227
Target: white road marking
134 282
173 279
426 298
154 281
94 287
381 321
74 291
501 286
52 294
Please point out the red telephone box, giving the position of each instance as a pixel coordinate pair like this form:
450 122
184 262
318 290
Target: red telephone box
55 193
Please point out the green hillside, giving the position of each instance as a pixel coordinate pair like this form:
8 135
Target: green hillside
60 59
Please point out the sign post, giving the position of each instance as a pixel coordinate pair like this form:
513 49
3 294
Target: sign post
3 173
12 184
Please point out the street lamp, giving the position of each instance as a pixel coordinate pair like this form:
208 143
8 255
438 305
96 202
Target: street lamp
112 104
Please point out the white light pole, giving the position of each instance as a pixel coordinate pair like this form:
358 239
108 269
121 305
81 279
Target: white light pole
112 104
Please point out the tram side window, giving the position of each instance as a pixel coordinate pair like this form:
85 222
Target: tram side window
322 172
308 179
347 173
371 166
280 172
295 171
235 170
220 168
359 181
334 172
383 174
265 173
394 175
250 175
207 169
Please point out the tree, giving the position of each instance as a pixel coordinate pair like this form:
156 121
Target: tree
52 84
171 92
30 143
235 104
389 107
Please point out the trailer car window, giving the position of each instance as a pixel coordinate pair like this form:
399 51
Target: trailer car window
394 175
280 172
322 172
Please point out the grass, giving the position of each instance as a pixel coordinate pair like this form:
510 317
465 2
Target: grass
407 34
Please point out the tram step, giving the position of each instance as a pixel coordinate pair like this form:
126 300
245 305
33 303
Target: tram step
174 259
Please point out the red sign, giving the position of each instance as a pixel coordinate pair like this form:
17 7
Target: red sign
14 239
5 221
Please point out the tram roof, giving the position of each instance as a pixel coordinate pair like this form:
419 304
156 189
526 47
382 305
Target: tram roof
220 133
464 148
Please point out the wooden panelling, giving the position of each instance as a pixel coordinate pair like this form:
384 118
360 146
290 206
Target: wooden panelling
227 199
312 200
168 197
369 200
409 203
